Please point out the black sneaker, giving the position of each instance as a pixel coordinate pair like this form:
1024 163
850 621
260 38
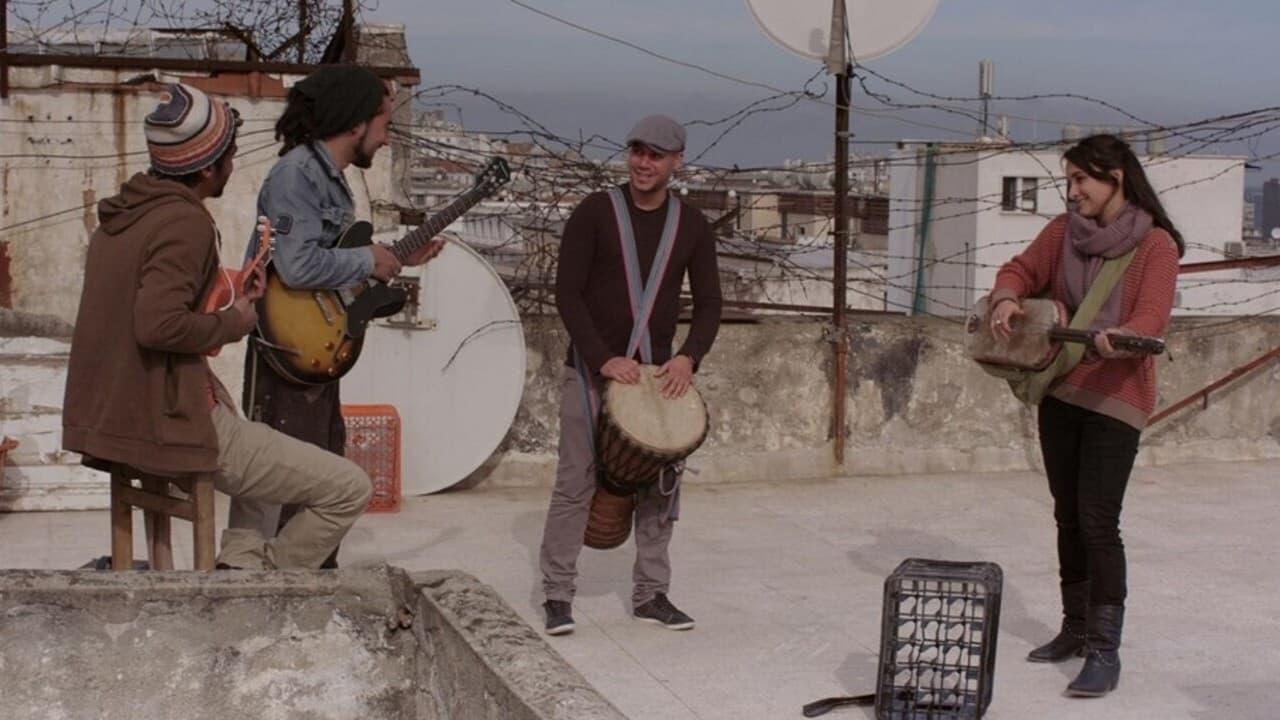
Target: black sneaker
559 617
660 610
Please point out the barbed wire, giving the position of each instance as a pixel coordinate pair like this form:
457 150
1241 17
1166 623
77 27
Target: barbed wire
553 172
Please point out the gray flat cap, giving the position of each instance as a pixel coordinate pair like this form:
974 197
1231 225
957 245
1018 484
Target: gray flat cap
658 132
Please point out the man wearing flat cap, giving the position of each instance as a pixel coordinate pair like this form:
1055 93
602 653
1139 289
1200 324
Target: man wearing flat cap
140 391
638 240
336 117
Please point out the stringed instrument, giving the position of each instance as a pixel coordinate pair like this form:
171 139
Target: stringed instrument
229 285
1036 337
312 337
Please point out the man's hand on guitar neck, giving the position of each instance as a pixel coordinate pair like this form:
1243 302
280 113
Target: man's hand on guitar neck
426 252
385 264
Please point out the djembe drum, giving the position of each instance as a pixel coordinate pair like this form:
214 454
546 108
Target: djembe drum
639 436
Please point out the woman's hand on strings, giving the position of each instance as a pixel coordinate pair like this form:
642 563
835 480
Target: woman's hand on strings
1103 345
1003 315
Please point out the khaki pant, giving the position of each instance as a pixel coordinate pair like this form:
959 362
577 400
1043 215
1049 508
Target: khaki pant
312 414
263 465
562 536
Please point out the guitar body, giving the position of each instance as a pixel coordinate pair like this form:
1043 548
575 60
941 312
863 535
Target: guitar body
315 336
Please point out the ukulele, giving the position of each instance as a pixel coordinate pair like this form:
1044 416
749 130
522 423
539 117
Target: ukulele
229 285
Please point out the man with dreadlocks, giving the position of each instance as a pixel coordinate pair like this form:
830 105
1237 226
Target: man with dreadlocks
336 117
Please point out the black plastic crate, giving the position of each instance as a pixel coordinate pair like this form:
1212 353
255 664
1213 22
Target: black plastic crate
938 640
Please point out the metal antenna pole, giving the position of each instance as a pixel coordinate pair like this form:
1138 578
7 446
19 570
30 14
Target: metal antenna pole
838 64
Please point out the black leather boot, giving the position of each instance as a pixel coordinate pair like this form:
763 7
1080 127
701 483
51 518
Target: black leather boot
1070 640
1101 672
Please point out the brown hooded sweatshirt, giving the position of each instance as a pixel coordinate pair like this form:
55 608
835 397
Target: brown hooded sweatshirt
137 384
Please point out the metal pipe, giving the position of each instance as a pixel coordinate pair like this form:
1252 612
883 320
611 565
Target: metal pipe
1199 394
844 87
1260 261
4 49
409 75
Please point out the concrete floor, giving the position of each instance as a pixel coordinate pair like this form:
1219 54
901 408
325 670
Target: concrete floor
785 582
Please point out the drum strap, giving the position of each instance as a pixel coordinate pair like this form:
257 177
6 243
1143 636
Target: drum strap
643 295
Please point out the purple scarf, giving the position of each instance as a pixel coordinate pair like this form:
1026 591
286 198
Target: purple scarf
1086 246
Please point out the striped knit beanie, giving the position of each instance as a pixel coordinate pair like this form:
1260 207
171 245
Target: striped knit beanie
189 131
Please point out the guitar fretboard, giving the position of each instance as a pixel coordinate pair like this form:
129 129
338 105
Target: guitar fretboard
419 236
1132 343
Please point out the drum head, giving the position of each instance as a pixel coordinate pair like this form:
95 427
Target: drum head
652 421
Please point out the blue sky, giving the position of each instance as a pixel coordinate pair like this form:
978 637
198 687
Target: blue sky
1166 61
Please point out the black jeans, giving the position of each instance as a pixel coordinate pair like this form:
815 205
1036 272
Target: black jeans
1088 457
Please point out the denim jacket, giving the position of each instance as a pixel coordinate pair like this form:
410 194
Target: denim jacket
310 204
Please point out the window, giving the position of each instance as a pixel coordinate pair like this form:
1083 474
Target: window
1019 194
1009 194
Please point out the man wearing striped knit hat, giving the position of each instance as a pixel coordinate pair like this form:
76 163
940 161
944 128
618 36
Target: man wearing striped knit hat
139 389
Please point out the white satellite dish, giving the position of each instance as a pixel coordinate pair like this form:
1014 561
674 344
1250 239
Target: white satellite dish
1275 233
454 370
876 27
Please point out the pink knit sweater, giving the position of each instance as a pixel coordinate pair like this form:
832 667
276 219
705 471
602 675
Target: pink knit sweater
1124 389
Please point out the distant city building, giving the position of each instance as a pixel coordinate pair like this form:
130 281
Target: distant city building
1270 207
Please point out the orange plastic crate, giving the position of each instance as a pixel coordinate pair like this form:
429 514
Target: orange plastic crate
373 443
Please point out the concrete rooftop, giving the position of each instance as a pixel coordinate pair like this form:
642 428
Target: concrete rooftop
785 582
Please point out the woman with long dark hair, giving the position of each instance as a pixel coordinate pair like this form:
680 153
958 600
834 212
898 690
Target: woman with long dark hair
1092 416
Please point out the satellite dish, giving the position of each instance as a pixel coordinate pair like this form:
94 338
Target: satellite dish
454 370
876 27
1275 233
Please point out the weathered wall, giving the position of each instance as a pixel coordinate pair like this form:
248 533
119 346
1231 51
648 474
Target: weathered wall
362 643
916 403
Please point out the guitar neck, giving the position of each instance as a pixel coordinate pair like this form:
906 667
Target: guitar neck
1130 343
419 236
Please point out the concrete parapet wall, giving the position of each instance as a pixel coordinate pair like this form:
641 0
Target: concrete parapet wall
359 643
482 649
916 403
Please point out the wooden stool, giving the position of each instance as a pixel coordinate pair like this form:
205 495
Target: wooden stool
158 506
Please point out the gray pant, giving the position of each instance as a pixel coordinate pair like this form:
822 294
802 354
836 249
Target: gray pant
266 466
571 502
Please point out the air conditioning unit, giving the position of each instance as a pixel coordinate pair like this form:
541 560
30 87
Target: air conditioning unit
1233 249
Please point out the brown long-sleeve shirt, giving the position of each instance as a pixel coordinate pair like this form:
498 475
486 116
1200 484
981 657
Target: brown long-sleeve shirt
591 281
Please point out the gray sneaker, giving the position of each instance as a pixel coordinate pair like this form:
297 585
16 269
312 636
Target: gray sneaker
559 617
660 610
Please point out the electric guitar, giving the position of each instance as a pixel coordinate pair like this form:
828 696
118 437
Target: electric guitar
312 337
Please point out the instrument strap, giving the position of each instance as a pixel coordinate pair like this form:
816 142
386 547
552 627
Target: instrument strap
1103 285
643 295
1032 387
